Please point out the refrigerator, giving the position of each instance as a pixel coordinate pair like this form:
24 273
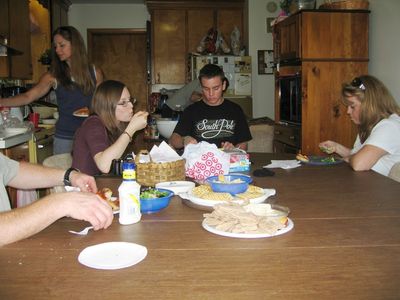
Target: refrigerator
237 70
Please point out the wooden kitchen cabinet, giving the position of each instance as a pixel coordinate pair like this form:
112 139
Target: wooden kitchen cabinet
59 13
179 26
322 35
325 48
169 51
15 27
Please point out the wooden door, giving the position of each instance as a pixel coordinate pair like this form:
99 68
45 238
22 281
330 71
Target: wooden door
323 114
335 35
121 54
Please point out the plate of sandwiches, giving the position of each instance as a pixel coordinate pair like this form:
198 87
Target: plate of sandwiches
203 195
82 112
241 221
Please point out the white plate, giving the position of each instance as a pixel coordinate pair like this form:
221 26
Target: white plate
178 187
211 229
205 202
112 255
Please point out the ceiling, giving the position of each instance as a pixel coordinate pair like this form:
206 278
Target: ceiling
107 1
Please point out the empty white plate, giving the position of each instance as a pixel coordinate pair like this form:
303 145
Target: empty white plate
112 255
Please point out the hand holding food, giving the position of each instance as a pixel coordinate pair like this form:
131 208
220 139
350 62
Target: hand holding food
302 157
138 121
106 195
328 147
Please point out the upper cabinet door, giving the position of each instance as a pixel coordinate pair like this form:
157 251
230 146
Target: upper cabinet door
15 27
227 19
169 51
199 22
341 35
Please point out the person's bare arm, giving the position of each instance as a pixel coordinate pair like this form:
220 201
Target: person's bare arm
104 158
366 157
330 147
179 142
32 176
23 222
44 85
99 76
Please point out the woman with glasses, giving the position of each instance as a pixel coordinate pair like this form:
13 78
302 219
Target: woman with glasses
106 133
72 78
377 115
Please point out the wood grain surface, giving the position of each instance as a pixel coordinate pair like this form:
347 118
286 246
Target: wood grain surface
345 245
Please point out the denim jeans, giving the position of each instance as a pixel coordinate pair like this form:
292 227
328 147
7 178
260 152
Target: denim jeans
62 146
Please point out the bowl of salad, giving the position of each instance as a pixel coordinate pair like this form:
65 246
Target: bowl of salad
153 200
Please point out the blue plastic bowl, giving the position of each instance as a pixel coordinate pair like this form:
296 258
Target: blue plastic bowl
152 205
227 187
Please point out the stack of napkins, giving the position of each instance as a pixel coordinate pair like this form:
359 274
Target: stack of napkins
163 153
284 164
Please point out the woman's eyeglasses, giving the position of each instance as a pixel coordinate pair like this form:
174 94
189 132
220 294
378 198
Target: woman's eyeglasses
357 82
124 102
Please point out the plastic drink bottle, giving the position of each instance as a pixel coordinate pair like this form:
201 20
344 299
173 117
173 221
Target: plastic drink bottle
129 196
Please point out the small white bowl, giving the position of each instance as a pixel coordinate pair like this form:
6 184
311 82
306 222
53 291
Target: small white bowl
178 187
166 127
49 121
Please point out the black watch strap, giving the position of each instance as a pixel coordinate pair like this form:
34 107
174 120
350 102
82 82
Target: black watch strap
67 174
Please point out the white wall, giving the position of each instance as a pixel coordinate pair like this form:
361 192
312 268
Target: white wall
259 39
384 43
127 16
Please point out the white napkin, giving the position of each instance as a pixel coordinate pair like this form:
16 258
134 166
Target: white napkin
163 153
284 164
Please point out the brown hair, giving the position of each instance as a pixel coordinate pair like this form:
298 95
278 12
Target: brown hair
79 66
376 102
104 103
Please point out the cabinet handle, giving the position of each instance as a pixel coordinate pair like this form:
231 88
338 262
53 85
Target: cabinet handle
336 111
158 78
292 137
315 70
277 132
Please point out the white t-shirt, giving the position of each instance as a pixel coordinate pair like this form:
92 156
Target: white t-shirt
385 135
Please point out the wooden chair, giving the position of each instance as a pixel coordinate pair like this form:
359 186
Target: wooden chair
395 172
58 161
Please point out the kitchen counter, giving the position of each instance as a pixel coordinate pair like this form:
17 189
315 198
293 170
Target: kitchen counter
10 141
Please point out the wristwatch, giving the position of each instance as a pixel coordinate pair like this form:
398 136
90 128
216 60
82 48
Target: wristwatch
66 176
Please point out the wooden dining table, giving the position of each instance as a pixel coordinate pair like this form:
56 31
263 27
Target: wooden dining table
345 244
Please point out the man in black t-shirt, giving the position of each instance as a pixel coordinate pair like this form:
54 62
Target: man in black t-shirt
214 119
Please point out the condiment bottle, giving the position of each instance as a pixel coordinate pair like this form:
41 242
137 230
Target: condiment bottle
129 196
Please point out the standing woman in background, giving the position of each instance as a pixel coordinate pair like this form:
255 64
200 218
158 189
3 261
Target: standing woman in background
74 81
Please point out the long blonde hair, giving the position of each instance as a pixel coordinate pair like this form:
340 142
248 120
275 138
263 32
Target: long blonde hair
377 103
104 103
79 69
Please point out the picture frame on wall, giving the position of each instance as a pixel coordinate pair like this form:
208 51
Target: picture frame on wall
265 61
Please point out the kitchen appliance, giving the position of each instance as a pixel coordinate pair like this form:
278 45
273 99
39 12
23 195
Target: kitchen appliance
237 70
289 94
